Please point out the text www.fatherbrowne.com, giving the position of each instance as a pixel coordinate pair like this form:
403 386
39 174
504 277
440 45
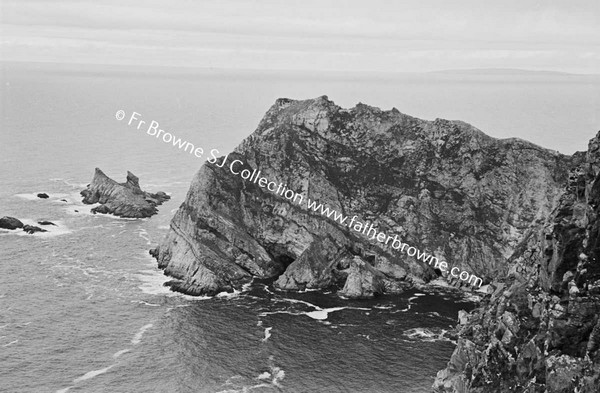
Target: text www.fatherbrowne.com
254 176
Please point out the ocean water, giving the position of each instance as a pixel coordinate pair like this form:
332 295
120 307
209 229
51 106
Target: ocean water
83 308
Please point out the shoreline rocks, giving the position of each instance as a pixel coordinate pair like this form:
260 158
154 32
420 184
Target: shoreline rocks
12 223
121 199
31 229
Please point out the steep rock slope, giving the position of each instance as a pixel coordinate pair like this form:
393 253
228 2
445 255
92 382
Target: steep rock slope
442 186
539 331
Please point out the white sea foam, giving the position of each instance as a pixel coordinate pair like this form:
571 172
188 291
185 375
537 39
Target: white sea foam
427 335
92 374
30 197
322 314
229 295
144 235
145 303
138 336
121 352
267 334
11 343
319 313
152 282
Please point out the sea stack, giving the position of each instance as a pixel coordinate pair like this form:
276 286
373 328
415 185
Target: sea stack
121 199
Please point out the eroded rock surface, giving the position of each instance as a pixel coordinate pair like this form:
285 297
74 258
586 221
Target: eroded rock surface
539 330
442 186
121 199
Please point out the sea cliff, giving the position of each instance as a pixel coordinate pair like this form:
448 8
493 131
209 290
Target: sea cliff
443 186
539 330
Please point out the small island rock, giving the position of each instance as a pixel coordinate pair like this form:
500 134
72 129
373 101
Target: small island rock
121 199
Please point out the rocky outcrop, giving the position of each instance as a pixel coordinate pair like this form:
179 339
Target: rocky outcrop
10 223
442 186
13 223
539 331
121 199
31 229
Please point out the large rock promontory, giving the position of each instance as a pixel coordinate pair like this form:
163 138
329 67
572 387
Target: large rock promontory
121 199
443 186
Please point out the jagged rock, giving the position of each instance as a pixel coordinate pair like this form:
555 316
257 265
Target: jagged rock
442 186
46 223
363 281
10 223
550 308
43 195
121 199
33 229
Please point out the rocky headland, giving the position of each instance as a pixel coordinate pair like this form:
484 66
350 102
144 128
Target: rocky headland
522 217
443 186
121 199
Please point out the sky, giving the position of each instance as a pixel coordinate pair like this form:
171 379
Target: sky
309 35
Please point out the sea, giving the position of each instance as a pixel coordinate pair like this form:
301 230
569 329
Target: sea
83 307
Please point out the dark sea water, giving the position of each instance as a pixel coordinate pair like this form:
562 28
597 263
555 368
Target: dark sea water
82 307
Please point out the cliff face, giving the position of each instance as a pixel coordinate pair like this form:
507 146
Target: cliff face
121 199
539 331
442 186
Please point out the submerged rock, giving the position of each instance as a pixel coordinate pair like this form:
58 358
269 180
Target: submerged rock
10 223
46 223
442 186
121 199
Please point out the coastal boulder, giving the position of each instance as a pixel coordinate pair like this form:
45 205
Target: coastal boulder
10 223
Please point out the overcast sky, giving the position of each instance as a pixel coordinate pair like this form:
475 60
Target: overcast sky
361 35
